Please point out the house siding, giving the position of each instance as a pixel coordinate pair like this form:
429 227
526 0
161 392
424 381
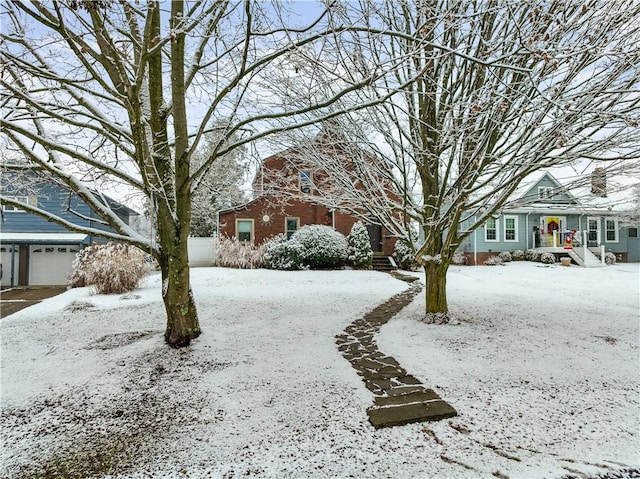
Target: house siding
18 265
58 201
308 212
626 249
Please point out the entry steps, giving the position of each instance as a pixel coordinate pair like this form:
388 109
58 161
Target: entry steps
585 258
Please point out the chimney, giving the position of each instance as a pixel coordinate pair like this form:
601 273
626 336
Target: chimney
599 182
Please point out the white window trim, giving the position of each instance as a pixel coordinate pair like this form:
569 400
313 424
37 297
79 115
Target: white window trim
515 227
497 231
616 230
545 192
598 229
30 200
253 235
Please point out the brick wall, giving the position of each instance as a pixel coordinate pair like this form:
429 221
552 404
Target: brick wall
269 219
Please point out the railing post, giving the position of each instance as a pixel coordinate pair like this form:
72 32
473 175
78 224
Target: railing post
602 261
584 246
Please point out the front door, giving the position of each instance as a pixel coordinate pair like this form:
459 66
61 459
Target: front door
375 237
549 224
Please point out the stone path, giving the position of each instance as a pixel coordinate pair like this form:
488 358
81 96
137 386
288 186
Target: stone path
399 397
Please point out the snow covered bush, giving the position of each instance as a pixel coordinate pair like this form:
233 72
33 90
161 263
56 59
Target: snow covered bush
505 256
517 255
359 253
111 268
609 258
404 256
547 258
459 259
493 261
283 254
533 255
323 247
230 253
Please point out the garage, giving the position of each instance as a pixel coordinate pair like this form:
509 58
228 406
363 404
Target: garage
50 264
38 259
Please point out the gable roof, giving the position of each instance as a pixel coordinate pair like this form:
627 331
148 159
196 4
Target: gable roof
573 193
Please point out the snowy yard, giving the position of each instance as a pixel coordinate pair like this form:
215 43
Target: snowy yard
542 368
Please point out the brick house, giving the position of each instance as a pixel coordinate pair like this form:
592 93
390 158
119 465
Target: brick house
287 194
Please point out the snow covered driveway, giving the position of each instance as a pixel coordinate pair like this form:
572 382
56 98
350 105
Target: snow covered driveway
543 370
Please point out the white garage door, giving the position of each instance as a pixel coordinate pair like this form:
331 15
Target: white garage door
5 260
50 264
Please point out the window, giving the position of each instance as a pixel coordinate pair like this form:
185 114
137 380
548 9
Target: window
491 230
306 181
511 228
545 192
593 229
30 200
291 226
611 230
633 232
244 231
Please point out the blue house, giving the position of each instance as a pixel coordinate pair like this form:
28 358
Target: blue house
34 251
581 221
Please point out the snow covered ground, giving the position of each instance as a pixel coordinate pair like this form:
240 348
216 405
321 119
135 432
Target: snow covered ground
543 370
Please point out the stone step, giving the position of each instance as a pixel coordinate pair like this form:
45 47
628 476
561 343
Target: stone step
401 410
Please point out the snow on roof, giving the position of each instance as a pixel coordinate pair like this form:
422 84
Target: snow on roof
42 238
577 185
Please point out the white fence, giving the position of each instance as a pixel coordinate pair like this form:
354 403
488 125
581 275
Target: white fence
201 251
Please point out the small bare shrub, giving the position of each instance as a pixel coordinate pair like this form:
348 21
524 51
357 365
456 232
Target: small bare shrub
110 268
459 259
494 261
609 258
505 256
230 253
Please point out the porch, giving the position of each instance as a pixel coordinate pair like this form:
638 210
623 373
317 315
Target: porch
583 253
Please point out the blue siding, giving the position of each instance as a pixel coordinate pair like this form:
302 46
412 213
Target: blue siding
560 198
56 200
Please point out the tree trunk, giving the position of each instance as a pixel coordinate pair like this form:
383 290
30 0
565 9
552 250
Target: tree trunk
436 287
182 316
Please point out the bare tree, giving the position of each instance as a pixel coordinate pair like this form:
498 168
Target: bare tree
219 188
124 93
485 93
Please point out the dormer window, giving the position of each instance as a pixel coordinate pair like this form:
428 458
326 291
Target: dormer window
306 181
545 192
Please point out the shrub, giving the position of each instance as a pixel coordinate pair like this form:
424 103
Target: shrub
533 255
359 252
547 258
609 258
323 247
517 255
283 254
505 256
230 253
110 268
494 261
404 256
459 259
